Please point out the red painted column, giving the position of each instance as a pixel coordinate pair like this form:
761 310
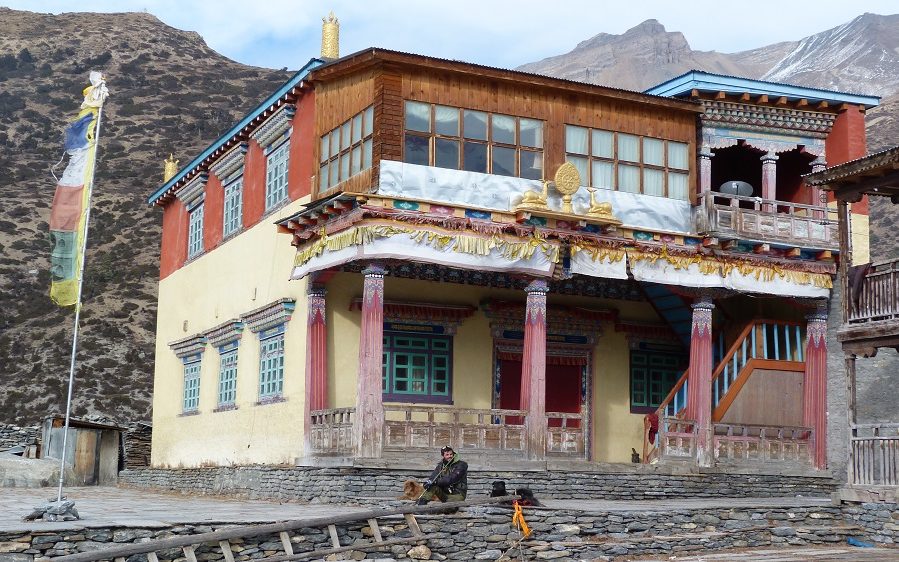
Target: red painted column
533 368
705 170
699 384
814 390
369 406
769 179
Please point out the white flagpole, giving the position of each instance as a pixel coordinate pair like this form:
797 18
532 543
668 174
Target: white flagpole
87 218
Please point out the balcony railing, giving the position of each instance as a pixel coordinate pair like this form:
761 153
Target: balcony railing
874 457
768 220
877 296
742 442
331 432
565 435
409 427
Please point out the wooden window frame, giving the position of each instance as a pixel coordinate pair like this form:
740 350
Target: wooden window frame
330 160
276 183
394 349
195 220
191 395
271 375
648 405
432 136
227 390
233 205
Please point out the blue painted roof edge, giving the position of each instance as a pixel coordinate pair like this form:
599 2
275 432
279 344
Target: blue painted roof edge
291 82
700 80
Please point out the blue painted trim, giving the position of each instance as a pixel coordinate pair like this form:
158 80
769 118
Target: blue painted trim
709 82
293 81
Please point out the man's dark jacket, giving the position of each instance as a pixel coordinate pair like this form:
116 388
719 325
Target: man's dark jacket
452 475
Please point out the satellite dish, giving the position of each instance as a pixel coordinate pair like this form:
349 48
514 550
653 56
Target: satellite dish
736 187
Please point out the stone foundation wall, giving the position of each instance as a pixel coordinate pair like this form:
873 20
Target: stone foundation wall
13 435
484 533
880 521
334 485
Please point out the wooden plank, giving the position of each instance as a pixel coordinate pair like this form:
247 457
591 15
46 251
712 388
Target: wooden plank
332 531
285 542
360 547
413 525
189 553
151 557
375 530
226 551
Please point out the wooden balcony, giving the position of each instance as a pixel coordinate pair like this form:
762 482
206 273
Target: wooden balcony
741 443
872 310
762 221
874 459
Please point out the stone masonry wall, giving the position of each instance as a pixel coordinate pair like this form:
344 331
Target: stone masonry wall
327 485
485 533
13 435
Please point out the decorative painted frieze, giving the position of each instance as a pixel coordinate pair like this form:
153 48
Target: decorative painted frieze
768 119
448 317
189 346
272 314
194 191
720 137
274 126
230 162
225 333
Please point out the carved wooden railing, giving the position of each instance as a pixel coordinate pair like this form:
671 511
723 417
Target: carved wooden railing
408 427
766 220
743 442
676 439
566 435
331 432
878 296
769 344
874 459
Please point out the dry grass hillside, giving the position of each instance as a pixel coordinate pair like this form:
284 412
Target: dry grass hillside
170 93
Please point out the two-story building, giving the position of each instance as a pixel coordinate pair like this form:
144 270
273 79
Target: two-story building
394 252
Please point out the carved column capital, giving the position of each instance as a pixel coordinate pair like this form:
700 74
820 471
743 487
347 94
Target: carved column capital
769 157
537 286
374 270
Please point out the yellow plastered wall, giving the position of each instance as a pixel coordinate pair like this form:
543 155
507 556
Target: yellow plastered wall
861 239
615 428
245 273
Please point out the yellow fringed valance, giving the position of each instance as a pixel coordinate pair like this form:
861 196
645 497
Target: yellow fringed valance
598 253
440 240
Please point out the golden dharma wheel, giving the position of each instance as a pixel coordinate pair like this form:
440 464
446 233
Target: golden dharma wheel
568 179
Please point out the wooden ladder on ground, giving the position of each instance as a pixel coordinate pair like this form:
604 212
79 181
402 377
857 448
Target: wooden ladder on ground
189 543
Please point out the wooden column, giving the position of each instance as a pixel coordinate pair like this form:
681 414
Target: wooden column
699 384
817 194
369 406
814 391
705 169
769 179
533 368
850 412
316 349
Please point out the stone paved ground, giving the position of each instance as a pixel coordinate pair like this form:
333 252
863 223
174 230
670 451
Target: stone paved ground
104 507
847 554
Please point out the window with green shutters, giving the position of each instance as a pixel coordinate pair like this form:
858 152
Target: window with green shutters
276 176
653 375
417 368
195 232
228 377
233 220
271 367
191 386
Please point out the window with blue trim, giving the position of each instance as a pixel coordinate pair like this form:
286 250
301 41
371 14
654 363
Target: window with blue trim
227 375
417 367
653 375
271 363
191 384
195 232
233 220
276 176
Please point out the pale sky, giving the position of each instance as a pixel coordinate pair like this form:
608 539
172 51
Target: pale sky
503 33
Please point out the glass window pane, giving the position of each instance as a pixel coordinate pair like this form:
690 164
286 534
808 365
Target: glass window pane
446 153
367 121
323 176
357 128
603 174
333 174
628 178
531 165
531 133
677 186
356 165
416 150
602 144
324 148
475 123
653 152
581 165
653 182
335 142
474 157
366 154
677 155
503 161
503 129
418 116
575 140
628 147
344 166
345 136
446 120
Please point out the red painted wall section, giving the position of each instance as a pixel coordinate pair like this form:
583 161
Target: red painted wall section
173 250
253 184
301 167
846 142
213 213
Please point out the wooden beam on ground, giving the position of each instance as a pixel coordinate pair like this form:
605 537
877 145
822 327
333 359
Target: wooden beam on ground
332 531
328 551
151 557
285 542
189 553
226 551
413 525
375 530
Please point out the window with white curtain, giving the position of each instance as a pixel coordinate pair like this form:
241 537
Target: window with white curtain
630 163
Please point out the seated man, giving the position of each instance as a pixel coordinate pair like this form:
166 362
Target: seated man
449 481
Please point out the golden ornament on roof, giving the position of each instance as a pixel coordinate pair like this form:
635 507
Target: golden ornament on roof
599 210
330 37
533 201
567 181
170 168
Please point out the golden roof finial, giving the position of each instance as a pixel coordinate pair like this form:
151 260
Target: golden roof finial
171 168
330 37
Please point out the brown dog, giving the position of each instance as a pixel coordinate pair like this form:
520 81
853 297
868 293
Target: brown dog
412 490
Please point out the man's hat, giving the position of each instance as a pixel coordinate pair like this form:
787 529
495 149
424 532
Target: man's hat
446 448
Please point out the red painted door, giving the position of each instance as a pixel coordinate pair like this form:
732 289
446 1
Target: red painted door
563 389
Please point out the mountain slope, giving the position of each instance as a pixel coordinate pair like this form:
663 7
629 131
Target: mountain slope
170 93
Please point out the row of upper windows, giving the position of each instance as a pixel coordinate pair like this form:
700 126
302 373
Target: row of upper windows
477 141
346 150
232 212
